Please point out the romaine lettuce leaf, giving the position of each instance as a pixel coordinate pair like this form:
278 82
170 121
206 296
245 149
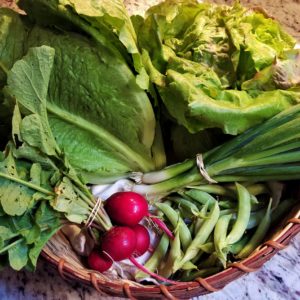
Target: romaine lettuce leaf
106 21
86 110
91 88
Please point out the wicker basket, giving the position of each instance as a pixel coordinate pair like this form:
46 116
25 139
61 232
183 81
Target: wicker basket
59 252
70 267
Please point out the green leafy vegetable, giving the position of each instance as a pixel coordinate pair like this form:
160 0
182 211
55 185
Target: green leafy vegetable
200 55
15 197
107 22
86 112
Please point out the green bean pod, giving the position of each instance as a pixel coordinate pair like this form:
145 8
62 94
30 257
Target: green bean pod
202 235
238 246
207 247
201 197
258 189
227 204
185 204
255 218
259 234
174 218
220 234
243 215
199 221
229 211
156 258
215 189
173 255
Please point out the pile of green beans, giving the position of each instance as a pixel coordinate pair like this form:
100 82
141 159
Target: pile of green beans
213 225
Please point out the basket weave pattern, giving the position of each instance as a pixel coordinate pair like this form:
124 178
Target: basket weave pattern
125 288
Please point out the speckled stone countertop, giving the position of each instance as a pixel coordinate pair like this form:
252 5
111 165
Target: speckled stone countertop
278 279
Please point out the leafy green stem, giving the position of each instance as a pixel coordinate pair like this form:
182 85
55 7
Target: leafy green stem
28 184
4 249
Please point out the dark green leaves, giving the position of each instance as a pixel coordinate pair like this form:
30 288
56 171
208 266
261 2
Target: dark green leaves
68 201
86 111
28 82
15 197
18 255
24 237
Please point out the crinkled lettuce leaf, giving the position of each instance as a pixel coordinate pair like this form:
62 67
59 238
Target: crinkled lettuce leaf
231 110
205 60
284 73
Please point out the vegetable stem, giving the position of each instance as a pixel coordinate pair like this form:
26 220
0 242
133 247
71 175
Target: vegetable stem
4 249
28 184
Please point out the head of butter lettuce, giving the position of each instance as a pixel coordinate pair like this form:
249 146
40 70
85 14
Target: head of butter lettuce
218 66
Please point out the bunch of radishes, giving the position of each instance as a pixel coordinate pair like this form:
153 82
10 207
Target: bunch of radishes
128 239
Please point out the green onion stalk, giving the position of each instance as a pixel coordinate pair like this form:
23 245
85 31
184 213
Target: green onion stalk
268 151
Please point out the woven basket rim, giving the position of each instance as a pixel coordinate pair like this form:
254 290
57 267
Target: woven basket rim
278 241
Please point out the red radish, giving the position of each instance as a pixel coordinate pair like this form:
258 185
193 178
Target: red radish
142 240
126 208
129 208
99 261
119 242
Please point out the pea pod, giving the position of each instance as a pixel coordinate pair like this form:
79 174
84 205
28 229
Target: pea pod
229 211
214 189
202 235
189 266
243 215
174 218
201 217
201 197
255 218
238 246
259 234
173 255
191 207
258 189
220 233
227 204
207 247
156 258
